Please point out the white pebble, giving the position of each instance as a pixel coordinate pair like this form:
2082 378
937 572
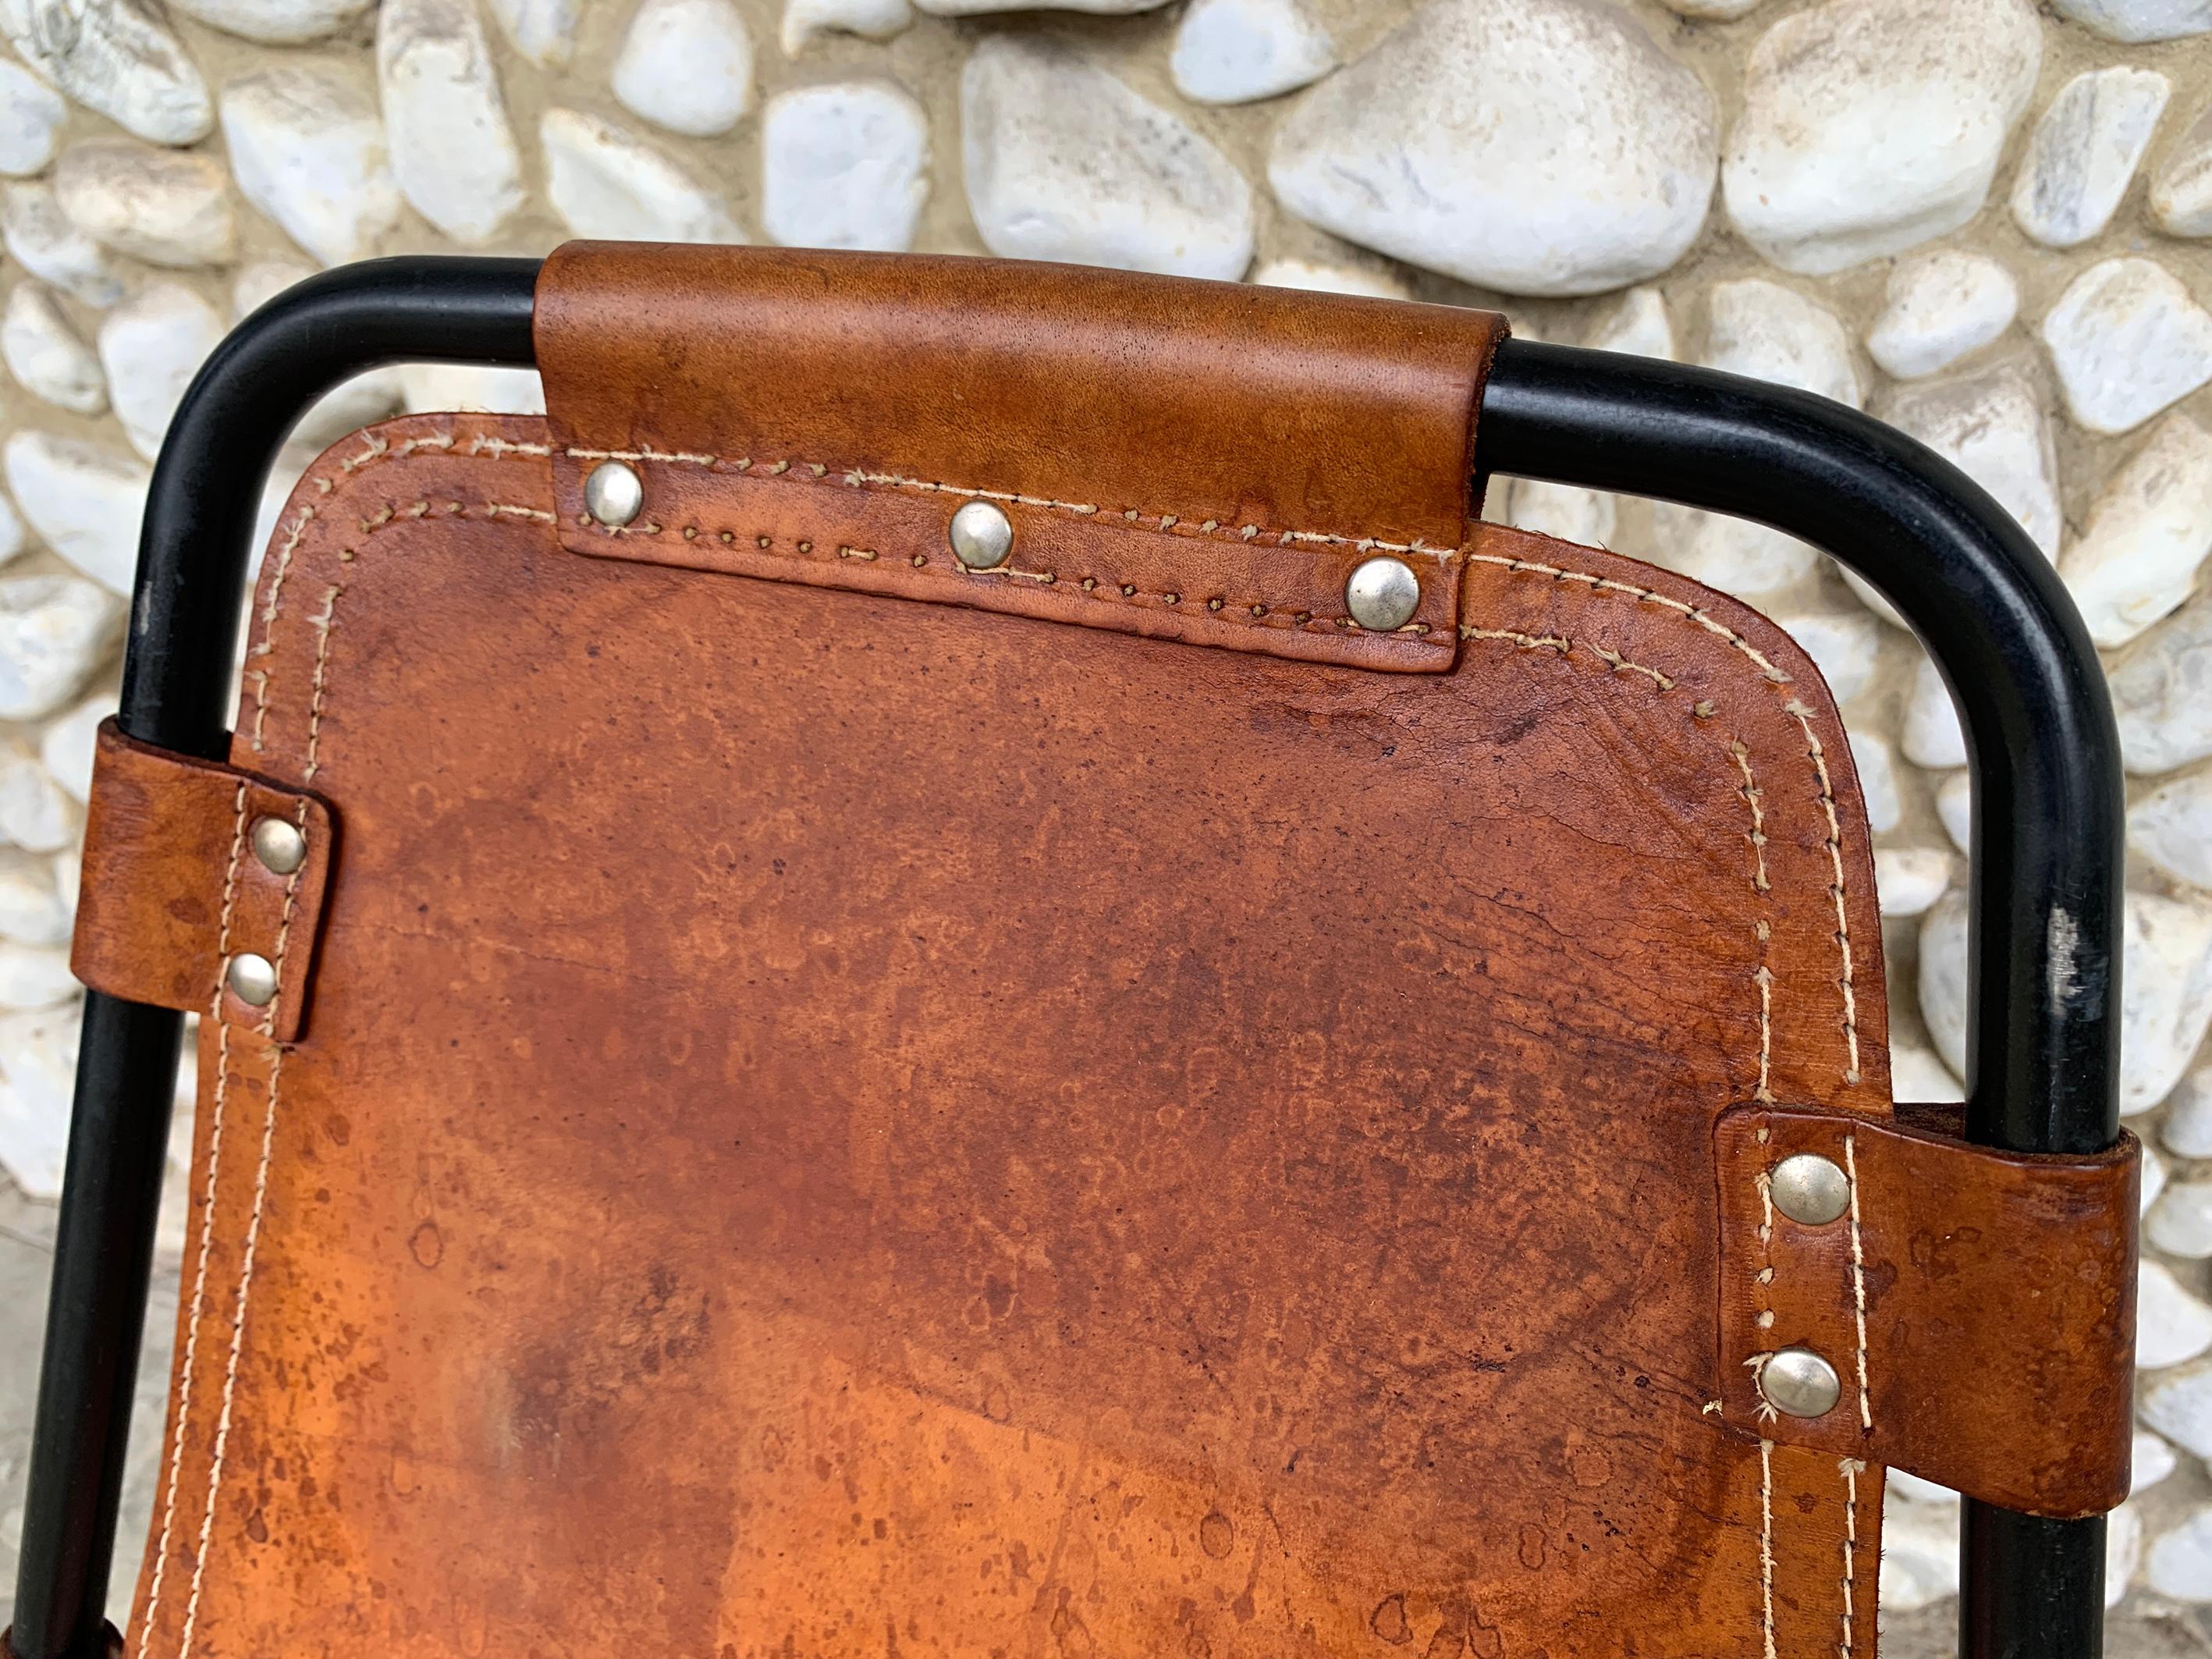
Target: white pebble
2123 1540
2181 1221
53 632
872 19
2133 21
2083 152
1932 737
1542 147
2181 189
2152 1182
2172 1324
2154 1461
978 8
11 530
65 748
1639 324
2172 827
32 977
151 346
46 354
115 56
1877 765
1732 555
2148 535
1845 646
1990 425
46 244
35 814
30 112
2127 340
1939 307
1775 333
437 387
1064 162
2165 996
543 31
1913 1488
686 65
167 207
2179 1407
1955 808
1943 978
307 147
85 501
1919 1075
1586 517
37 1052
844 164
275 22
1871 126
452 151
2162 692
2187 1129
604 182
2180 1563
1232 52
1318 278
31 911
1919 1553
1909 879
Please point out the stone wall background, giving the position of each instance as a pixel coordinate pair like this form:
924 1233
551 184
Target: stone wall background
1987 222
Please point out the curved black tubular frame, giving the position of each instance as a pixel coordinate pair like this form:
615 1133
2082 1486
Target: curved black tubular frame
2045 885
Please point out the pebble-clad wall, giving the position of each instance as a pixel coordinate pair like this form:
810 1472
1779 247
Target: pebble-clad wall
1987 222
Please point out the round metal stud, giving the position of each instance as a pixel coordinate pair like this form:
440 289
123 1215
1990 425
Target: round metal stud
279 845
1383 593
1809 1188
613 494
981 537
1798 1383
252 979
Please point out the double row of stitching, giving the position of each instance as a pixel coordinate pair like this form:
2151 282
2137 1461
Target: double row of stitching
500 448
1261 613
1183 524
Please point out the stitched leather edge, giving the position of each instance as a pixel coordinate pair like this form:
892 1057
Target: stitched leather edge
439 434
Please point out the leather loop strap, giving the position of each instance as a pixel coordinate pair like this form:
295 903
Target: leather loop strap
173 887
1978 1307
1192 460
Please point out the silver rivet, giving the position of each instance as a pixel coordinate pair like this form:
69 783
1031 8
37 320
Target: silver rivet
1800 1383
1382 594
252 979
280 846
981 536
1809 1188
613 494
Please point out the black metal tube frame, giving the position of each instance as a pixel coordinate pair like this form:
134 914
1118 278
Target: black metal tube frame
2044 893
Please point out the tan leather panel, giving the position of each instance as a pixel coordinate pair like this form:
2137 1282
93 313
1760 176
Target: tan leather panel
1328 413
834 1124
171 889
1245 589
1979 1305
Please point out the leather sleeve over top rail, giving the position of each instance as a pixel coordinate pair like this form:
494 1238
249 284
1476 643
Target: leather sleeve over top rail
1188 460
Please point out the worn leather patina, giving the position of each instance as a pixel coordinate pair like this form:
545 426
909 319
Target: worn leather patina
842 1120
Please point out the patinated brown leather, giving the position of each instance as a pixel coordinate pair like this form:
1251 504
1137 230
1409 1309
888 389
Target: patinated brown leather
1979 1305
171 889
839 1124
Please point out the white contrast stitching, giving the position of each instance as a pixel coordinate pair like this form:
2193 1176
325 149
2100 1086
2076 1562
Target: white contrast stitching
1766 1540
859 478
207 1212
1858 1278
1851 1468
1835 843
